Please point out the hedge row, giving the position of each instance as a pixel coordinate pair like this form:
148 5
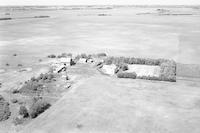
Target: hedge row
4 109
35 85
83 55
168 71
132 60
38 107
133 75
63 55
127 75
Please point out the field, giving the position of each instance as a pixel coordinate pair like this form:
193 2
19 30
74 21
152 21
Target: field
106 104
97 102
120 31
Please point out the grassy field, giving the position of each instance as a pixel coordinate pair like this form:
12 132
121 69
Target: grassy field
120 31
105 104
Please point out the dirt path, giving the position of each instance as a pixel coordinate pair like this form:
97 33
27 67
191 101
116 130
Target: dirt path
110 105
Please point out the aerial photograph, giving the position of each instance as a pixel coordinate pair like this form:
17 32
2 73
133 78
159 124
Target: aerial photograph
99 66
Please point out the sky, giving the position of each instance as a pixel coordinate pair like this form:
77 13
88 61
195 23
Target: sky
99 2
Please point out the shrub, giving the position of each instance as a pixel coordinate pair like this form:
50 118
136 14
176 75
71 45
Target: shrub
31 87
4 109
18 120
33 79
101 55
19 65
21 102
51 56
132 75
7 64
149 77
38 107
35 99
109 60
14 100
90 56
77 57
14 54
72 62
44 77
64 55
59 56
168 71
123 67
15 91
83 55
69 54
23 111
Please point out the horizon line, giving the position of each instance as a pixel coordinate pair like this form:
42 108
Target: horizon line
112 5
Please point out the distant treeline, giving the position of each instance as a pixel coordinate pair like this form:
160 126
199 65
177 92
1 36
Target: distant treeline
5 18
25 17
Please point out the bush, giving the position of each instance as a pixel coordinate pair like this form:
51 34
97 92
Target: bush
4 109
59 56
64 55
23 111
51 56
15 91
31 87
109 60
168 71
38 107
83 55
90 56
69 54
19 65
44 77
77 57
132 75
18 120
101 55
149 78
72 62
14 100
33 79
123 67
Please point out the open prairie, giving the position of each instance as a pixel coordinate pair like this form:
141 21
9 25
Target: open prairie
128 31
83 99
